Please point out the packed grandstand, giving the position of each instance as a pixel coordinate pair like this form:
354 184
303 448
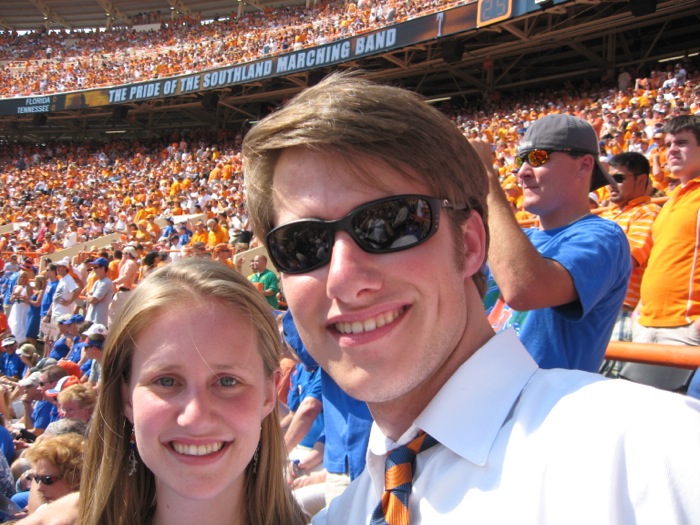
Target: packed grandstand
121 145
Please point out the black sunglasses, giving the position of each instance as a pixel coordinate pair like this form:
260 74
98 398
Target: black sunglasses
620 178
385 225
46 480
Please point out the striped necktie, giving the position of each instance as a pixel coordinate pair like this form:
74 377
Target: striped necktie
398 481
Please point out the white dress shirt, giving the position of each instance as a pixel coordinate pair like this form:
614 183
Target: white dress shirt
518 444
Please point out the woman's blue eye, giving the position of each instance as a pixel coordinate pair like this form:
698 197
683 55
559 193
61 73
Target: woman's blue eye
228 381
165 381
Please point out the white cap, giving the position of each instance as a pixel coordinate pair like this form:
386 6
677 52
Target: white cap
96 329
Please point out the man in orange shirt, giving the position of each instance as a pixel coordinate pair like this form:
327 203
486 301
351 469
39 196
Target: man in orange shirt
670 291
200 234
634 212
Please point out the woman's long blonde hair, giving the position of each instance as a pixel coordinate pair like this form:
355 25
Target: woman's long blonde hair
109 496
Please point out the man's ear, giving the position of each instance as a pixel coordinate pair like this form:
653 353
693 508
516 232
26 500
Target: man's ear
474 239
587 165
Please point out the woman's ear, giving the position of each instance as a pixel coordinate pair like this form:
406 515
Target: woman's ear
128 407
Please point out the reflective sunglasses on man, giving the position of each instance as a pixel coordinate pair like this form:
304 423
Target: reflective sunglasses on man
385 225
539 157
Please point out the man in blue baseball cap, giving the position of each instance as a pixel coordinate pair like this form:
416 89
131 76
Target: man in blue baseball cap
100 294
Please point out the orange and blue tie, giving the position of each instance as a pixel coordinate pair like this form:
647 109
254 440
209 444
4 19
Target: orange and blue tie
398 481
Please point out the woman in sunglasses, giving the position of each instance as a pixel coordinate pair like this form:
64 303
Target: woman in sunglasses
56 466
186 427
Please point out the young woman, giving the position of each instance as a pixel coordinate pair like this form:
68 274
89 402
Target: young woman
19 315
186 428
34 320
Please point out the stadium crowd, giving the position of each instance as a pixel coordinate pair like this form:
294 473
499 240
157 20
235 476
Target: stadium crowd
61 195
59 61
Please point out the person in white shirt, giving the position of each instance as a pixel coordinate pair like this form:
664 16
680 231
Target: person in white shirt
66 292
397 320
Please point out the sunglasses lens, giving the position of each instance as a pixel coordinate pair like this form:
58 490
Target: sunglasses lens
537 157
618 178
44 480
385 226
393 225
300 246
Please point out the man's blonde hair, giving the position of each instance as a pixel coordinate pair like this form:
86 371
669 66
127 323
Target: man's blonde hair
351 117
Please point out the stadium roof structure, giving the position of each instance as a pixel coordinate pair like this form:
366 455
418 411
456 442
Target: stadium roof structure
29 15
577 42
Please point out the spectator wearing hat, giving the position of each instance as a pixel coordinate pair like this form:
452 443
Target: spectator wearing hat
48 379
78 356
100 294
27 353
185 235
11 364
540 280
93 350
37 409
69 335
61 385
44 362
168 231
67 291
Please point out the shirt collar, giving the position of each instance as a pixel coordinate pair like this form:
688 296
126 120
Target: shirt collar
470 409
637 202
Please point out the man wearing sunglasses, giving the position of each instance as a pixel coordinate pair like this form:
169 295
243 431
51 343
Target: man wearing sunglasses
560 286
635 213
372 207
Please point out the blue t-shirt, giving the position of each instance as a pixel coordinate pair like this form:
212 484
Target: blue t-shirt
596 253
21 499
76 352
305 383
47 298
347 421
12 365
7 445
61 349
10 285
41 416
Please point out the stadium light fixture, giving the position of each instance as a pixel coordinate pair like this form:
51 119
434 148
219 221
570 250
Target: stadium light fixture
680 57
436 100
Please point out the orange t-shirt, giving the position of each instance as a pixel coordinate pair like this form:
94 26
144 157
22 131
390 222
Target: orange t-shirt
671 285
